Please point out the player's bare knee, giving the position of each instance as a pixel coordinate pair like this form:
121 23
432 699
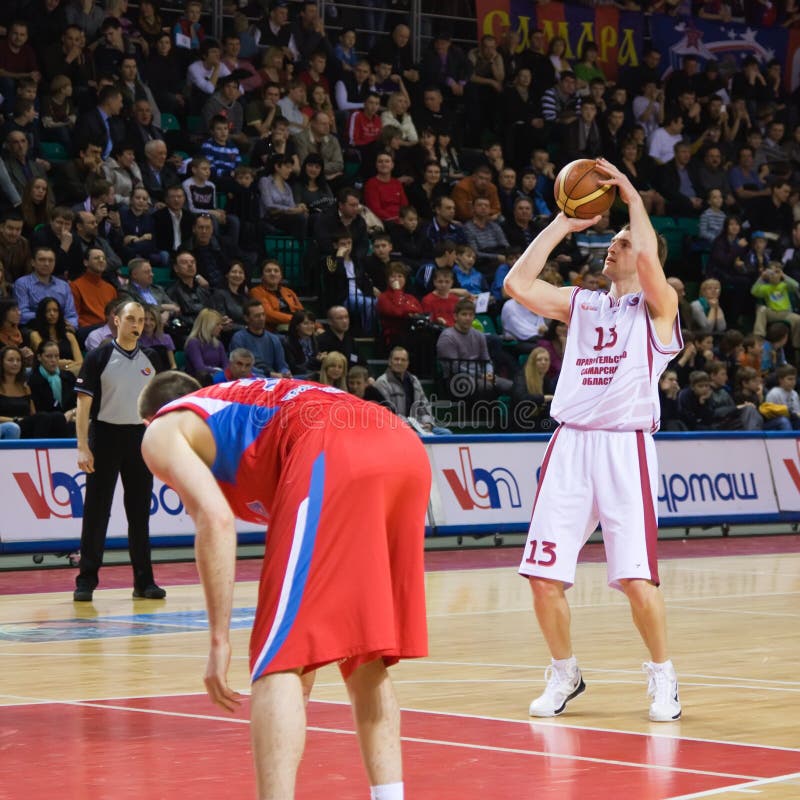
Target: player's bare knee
545 589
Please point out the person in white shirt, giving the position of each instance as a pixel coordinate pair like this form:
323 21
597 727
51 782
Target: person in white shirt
663 141
291 104
204 73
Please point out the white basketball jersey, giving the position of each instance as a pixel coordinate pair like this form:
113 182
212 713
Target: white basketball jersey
612 364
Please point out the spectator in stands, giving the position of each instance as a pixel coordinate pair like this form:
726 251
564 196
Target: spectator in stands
103 124
275 31
532 394
332 371
189 292
444 257
204 74
291 106
154 338
157 174
142 128
520 229
31 289
774 353
582 135
300 345
317 139
224 102
173 223
464 271
422 194
14 248
707 313
478 184
440 304
523 117
383 194
17 58
777 291
311 188
668 390
279 301
409 244
726 414
52 387
785 394
144 291
10 331
188 30
749 388
446 67
87 236
396 51
561 103
229 299
50 325
345 215
166 75
352 89
138 230
278 142
677 183
21 166
240 366
664 139
231 49
345 51
211 258
58 112
265 346
91 292
278 206
346 282
122 172
396 307
712 220
72 180
222 153
554 340
773 213
201 195
485 237
57 234
364 129
68 58
261 111
205 353
464 357
790 257
337 336
694 402
17 406
758 254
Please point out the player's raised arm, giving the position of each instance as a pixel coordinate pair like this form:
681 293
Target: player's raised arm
522 282
171 457
661 298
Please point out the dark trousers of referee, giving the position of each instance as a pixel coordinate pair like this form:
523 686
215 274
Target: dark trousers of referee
117 451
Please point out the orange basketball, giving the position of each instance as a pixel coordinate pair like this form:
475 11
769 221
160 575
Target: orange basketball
579 192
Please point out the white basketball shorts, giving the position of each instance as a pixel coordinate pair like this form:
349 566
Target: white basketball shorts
589 477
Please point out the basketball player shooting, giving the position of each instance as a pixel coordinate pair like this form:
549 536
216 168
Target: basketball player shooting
600 465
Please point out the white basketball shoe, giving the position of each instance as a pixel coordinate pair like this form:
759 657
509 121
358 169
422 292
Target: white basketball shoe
562 685
662 687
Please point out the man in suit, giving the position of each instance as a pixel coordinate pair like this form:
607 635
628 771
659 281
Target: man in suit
142 129
103 123
446 67
22 169
173 223
73 180
157 175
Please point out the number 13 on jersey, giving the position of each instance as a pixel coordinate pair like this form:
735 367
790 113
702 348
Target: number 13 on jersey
544 556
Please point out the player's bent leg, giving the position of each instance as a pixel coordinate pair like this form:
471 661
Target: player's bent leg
377 719
277 731
307 679
649 615
564 680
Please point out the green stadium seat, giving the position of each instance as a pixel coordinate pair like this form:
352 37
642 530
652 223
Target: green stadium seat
290 253
169 122
180 359
486 323
55 152
162 275
195 124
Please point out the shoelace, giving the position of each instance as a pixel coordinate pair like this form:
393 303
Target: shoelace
658 680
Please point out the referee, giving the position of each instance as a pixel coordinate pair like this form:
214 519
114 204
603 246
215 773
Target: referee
110 432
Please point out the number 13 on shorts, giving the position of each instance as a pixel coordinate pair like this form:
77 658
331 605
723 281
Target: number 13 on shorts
542 553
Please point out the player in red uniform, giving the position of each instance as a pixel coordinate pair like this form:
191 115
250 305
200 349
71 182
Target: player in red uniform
600 463
344 487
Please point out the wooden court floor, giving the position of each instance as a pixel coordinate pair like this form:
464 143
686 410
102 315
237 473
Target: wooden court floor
105 700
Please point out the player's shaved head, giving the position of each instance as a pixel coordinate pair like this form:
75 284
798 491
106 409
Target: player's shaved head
163 389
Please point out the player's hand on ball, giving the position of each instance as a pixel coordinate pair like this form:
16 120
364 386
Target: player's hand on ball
616 178
216 678
576 224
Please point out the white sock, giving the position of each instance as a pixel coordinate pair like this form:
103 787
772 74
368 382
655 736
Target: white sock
386 791
568 665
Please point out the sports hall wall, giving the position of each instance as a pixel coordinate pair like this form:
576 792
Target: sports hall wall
481 485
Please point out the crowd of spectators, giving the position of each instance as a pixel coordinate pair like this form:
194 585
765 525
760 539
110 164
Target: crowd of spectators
144 159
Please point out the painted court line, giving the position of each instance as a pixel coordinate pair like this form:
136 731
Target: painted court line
417 740
743 787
